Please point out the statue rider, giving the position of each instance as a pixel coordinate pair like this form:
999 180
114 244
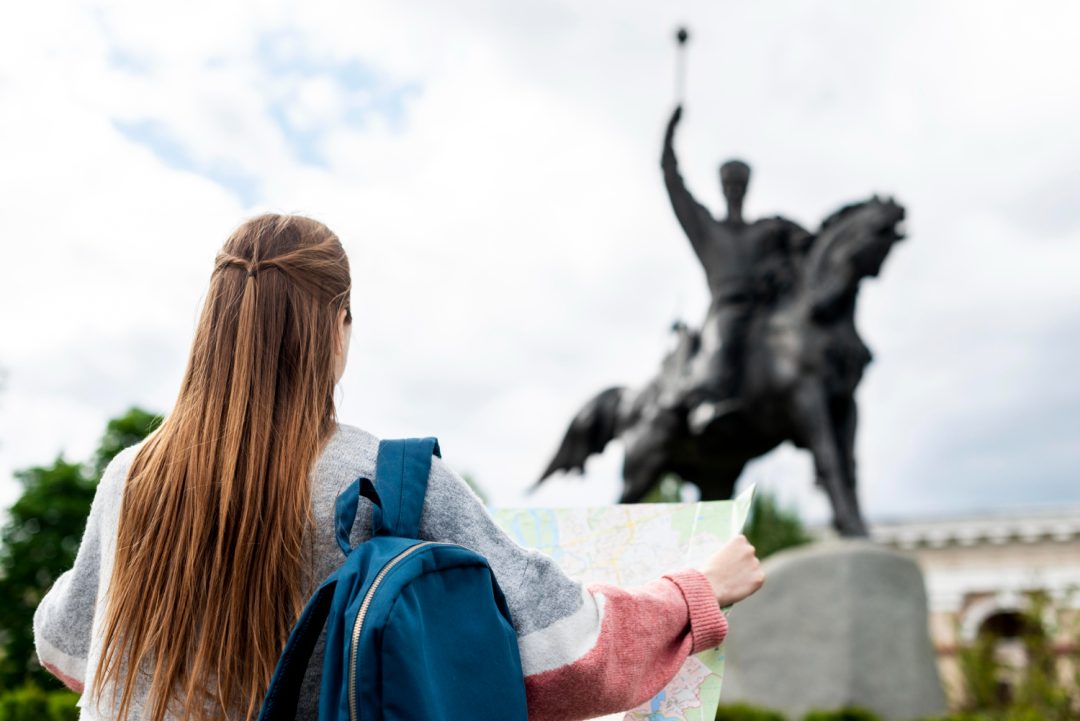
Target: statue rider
747 266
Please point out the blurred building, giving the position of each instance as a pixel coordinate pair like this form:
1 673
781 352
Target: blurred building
984 574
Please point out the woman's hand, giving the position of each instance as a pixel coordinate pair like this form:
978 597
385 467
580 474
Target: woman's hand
734 572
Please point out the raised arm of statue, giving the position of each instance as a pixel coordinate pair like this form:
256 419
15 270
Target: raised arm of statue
692 215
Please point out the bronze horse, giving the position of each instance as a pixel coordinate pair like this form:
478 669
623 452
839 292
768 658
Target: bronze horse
804 359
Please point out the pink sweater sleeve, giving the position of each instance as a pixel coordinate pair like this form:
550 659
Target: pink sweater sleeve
643 637
585 651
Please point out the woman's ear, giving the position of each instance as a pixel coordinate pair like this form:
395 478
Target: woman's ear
341 329
342 334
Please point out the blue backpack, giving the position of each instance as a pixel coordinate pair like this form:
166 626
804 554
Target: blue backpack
414 629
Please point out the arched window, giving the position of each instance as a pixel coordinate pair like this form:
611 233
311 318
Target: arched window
1012 645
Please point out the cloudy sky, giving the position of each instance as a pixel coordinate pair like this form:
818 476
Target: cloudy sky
492 168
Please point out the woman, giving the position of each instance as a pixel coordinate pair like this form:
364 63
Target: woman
205 540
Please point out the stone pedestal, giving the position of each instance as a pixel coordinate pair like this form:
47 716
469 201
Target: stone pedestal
839 623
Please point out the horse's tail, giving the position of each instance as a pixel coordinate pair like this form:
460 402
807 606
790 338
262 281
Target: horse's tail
592 428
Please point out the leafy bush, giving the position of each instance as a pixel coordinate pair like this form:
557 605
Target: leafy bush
746 712
62 706
1009 714
26 703
844 714
1036 690
31 703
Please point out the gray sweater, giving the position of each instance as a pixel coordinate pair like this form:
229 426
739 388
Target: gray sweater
563 629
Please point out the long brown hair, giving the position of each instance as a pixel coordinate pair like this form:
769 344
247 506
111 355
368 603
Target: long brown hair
209 571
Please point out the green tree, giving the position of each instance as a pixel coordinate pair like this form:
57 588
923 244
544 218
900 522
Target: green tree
41 537
667 490
37 544
127 430
771 528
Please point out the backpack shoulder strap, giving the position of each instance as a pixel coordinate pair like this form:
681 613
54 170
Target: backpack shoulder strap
283 694
401 477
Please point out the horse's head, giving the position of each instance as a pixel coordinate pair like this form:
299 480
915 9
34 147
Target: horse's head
860 234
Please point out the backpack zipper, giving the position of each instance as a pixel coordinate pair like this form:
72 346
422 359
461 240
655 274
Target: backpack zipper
360 620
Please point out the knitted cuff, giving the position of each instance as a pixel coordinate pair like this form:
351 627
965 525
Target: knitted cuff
708 625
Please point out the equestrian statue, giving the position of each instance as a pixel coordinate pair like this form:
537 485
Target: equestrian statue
777 357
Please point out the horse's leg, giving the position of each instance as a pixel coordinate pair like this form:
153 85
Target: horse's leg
721 483
846 422
648 447
812 410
